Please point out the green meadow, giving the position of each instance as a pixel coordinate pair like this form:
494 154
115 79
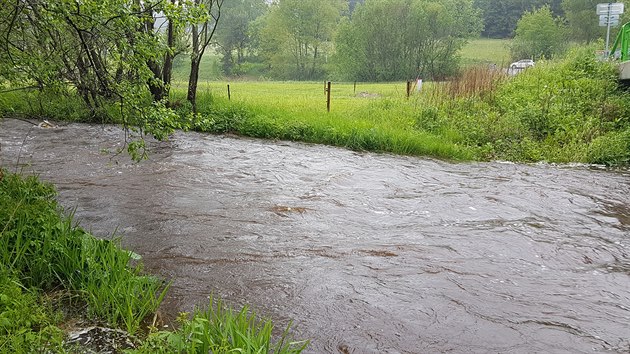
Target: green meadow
374 116
486 51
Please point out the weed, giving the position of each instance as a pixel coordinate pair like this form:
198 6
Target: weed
219 329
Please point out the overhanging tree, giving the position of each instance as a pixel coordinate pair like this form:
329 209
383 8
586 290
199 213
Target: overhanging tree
101 50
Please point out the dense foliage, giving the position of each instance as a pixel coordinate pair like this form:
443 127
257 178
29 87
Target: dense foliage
565 110
105 52
400 40
539 35
500 16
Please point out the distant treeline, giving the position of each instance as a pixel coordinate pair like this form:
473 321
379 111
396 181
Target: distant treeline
375 40
119 49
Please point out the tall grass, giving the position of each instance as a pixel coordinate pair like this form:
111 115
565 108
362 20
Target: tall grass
219 329
475 81
43 249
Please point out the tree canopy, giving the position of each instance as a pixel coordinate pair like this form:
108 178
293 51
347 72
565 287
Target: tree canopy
403 39
501 16
539 35
297 36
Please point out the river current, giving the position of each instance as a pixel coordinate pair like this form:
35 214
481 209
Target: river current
366 253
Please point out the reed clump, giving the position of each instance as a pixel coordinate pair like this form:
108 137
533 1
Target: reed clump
472 82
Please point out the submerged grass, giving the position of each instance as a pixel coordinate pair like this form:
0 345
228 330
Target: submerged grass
42 251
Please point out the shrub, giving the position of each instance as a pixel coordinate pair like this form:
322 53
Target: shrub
610 149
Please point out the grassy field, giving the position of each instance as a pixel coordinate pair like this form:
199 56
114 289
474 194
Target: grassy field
565 110
375 116
482 115
486 51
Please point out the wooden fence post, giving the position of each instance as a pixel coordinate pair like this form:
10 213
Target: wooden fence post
328 97
229 95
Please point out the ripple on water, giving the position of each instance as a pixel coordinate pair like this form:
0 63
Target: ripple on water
366 253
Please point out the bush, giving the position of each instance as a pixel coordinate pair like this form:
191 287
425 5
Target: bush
610 149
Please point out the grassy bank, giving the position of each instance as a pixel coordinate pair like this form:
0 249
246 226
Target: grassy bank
568 110
375 117
53 273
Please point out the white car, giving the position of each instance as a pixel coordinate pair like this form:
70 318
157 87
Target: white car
522 64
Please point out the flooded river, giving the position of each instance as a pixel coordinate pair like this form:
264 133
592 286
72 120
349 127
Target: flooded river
366 253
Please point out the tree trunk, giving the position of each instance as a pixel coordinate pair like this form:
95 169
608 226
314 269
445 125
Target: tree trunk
156 88
167 70
195 59
313 67
200 41
192 84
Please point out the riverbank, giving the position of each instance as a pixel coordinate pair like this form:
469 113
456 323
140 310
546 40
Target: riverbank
568 110
57 279
377 253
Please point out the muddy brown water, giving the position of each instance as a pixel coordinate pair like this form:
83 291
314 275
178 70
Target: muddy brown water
366 253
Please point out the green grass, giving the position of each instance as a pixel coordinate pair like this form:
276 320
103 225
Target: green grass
485 51
378 117
45 251
209 68
219 329
27 321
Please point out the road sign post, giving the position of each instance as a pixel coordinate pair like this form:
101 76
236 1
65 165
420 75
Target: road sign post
609 16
